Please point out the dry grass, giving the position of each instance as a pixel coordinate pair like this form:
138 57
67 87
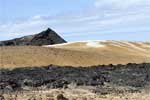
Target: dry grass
74 94
75 54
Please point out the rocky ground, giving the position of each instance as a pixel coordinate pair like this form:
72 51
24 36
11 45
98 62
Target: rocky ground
102 80
73 94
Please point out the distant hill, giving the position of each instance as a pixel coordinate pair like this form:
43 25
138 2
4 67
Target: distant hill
86 53
47 37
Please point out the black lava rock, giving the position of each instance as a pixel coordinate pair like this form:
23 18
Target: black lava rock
47 37
136 76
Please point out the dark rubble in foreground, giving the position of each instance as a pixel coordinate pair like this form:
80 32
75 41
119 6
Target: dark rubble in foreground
103 78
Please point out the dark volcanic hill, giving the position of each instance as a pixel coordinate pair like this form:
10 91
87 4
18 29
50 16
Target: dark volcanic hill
47 37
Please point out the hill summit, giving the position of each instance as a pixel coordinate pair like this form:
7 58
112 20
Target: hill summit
47 37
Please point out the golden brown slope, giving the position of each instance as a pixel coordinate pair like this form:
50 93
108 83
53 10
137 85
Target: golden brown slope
76 54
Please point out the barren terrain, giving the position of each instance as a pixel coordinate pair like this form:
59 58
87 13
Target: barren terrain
76 54
74 94
105 82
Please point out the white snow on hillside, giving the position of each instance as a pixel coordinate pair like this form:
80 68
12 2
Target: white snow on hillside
94 44
103 43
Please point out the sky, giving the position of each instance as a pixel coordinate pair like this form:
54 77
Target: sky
77 20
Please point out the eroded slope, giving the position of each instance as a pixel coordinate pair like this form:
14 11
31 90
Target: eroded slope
76 54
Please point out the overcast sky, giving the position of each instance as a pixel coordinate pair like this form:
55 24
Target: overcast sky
77 20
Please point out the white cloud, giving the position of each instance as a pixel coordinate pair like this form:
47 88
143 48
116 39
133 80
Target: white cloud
108 16
121 4
63 24
21 28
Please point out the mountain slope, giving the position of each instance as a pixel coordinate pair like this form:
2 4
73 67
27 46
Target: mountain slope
47 37
86 53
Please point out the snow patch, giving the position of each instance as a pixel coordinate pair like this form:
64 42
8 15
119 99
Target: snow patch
101 43
62 44
95 44
90 43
